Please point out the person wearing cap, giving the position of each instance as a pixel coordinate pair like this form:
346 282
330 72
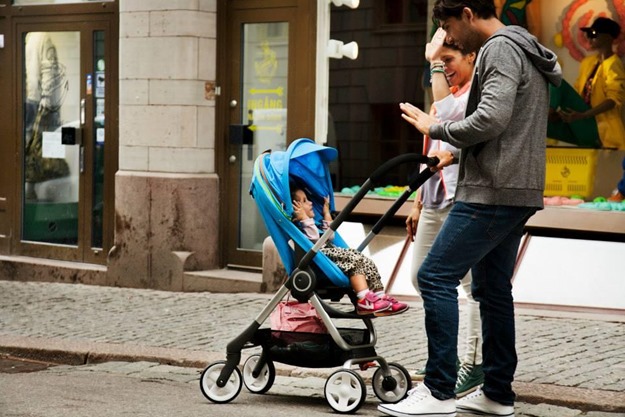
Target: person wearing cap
601 83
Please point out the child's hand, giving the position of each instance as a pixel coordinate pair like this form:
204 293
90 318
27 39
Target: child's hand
299 213
326 208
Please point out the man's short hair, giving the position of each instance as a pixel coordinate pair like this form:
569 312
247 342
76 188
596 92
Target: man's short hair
444 9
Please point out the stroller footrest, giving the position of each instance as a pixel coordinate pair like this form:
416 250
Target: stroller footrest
340 314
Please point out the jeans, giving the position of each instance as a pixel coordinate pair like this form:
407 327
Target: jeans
485 239
430 223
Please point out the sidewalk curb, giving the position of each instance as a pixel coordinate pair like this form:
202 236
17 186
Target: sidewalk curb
81 352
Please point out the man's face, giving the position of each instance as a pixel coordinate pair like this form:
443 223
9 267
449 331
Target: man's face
461 32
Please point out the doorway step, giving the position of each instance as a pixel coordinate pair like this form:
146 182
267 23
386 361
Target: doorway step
227 280
25 268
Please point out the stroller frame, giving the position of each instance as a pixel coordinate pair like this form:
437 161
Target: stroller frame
221 381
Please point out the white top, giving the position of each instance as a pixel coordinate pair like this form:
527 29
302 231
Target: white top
439 191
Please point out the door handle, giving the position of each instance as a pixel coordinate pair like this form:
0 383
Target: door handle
241 135
83 118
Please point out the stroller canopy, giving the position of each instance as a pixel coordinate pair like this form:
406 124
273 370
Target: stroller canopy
304 164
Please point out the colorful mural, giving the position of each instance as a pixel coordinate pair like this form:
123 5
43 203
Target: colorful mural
514 12
581 13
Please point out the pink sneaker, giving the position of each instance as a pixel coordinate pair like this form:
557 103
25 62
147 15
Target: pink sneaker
371 304
396 306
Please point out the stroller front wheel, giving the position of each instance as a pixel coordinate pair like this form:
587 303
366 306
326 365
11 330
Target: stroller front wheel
391 389
345 391
258 384
216 394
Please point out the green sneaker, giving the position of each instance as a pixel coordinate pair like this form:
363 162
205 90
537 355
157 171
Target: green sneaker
419 374
470 377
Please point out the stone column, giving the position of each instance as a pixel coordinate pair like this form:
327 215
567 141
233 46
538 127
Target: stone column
166 189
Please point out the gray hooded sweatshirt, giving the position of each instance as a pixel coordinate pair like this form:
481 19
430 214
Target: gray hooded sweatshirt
502 138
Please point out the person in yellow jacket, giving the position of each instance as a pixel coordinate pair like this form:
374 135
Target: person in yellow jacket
601 83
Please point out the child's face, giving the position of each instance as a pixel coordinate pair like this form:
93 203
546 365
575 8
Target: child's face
302 199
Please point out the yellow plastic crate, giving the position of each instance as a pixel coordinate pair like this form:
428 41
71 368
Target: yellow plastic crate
570 171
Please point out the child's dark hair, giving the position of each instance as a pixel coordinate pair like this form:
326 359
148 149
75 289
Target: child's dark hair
293 191
295 185
444 9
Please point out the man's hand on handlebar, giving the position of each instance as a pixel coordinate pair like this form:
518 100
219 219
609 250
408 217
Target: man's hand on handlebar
445 158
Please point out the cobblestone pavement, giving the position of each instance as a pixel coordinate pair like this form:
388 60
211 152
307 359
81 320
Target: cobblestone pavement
310 387
572 351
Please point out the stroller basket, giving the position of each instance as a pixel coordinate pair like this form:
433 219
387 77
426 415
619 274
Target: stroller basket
312 350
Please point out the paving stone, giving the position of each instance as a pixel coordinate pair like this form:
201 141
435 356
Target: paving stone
565 351
546 410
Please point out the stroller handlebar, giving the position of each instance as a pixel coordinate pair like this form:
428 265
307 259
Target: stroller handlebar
403 159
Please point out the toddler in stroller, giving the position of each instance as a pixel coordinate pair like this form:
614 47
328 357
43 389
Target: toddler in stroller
362 272
312 277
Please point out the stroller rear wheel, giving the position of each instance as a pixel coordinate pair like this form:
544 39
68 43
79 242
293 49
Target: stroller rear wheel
345 391
393 388
216 394
258 384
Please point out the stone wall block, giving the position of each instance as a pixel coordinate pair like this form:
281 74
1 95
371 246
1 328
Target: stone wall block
171 126
183 220
132 25
171 268
145 5
133 158
182 160
159 58
158 218
274 273
183 23
178 93
208 5
129 258
206 128
133 92
207 61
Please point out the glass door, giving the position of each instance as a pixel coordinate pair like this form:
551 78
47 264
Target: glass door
263 111
267 77
52 105
64 129
257 120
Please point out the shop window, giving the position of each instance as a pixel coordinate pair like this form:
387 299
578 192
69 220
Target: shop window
392 138
364 94
401 14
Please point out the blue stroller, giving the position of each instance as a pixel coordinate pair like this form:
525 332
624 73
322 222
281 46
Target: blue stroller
312 277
